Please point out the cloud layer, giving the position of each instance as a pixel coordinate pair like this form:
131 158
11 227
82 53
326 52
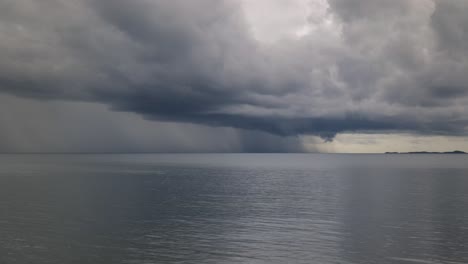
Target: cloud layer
355 66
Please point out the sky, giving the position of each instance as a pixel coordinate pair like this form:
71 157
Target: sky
233 75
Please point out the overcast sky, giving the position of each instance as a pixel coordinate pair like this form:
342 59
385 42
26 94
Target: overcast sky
233 75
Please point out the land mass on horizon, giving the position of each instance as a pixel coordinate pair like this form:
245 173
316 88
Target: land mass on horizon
429 152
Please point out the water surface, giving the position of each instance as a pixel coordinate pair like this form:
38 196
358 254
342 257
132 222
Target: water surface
233 208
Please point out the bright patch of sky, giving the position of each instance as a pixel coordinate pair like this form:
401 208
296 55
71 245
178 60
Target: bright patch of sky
273 20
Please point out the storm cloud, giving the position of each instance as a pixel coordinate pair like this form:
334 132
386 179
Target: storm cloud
357 66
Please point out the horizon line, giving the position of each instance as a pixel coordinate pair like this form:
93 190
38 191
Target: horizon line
176 152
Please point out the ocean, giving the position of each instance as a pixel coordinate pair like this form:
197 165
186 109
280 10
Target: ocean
233 208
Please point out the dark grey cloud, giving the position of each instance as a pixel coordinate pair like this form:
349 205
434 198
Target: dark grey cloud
383 66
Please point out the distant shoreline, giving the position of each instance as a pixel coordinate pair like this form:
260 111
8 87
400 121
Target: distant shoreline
427 152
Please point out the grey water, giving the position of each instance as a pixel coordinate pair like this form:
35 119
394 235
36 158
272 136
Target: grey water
233 208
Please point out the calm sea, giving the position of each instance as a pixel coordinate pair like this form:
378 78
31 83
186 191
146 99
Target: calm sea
233 208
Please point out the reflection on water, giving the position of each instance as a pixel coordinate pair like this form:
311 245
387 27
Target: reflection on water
233 209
